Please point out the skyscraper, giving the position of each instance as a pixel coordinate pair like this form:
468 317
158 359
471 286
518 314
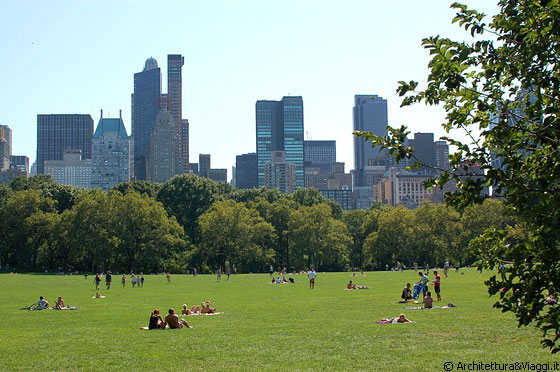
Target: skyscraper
203 164
246 172
279 174
8 137
111 154
320 154
145 107
370 114
424 151
279 127
175 63
5 153
162 158
60 132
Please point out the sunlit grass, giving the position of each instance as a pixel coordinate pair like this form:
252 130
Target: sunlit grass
265 327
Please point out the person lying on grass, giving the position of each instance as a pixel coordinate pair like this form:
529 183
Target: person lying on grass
195 309
98 295
400 319
174 322
155 320
42 303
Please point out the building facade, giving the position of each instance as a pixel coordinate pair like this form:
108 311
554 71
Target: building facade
20 162
8 136
246 171
60 132
146 102
279 174
321 154
111 154
72 170
280 127
369 114
162 156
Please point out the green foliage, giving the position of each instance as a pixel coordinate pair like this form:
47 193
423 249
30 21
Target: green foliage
317 239
65 196
186 197
141 187
507 90
237 235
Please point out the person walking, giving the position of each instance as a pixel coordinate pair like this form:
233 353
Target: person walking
228 273
271 270
108 279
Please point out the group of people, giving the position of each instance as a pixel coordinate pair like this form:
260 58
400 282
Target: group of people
421 286
171 319
134 279
282 280
44 304
351 285
204 308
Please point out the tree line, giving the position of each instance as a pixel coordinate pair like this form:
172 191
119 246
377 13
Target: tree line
193 222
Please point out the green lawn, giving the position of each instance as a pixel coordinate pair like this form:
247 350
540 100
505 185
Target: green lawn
265 327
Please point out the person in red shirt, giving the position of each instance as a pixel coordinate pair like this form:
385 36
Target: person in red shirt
437 282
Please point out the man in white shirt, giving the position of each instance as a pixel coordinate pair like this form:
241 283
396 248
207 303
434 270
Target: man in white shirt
42 303
311 276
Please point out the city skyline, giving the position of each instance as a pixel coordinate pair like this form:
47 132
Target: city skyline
337 54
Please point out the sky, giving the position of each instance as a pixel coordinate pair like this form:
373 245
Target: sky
68 56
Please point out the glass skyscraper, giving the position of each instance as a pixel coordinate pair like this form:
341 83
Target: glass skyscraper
57 133
370 114
145 108
279 127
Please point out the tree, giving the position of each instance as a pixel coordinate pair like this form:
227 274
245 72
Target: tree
277 213
145 236
15 227
317 239
354 221
310 196
139 186
507 90
65 196
237 235
186 197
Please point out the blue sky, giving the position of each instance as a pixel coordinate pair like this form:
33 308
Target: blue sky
80 56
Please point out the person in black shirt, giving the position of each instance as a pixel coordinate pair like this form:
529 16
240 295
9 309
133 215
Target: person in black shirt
406 293
108 279
155 320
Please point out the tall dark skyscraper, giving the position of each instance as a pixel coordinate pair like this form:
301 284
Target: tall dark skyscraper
57 133
145 107
424 150
320 154
279 127
370 114
246 174
175 63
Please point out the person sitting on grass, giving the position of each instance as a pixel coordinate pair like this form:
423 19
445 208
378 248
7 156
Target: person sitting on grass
195 310
59 303
155 320
206 309
291 280
273 280
406 293
428 300
174 322
42 303
350 285
186 310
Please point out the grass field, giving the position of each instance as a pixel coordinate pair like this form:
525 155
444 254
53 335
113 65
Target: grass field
265 327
